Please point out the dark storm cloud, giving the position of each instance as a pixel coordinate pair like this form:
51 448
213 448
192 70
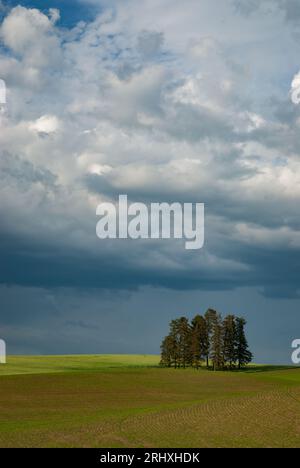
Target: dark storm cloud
275 269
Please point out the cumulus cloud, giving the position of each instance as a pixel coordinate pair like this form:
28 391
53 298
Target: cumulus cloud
187 110
28 32
46 124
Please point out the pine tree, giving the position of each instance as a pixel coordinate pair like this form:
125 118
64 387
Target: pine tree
199 340
167 351
184 341
217 343
210 318
229 340
243 354
174 334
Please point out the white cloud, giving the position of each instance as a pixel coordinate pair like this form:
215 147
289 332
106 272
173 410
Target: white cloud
30 35
295 89
23 28
46 124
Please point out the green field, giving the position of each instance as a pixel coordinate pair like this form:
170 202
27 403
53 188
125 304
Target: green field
53 364
128 401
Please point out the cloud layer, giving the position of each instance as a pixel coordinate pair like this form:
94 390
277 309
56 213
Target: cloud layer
163 102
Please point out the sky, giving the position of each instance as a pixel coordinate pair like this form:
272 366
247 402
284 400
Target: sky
169 101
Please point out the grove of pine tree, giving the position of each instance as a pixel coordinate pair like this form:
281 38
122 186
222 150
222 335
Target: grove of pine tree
209 339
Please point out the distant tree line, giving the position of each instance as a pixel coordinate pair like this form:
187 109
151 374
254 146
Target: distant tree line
209 340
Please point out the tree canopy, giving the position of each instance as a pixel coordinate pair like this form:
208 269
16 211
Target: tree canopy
211 340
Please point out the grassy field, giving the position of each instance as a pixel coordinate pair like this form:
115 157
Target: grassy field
86 363
127 401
